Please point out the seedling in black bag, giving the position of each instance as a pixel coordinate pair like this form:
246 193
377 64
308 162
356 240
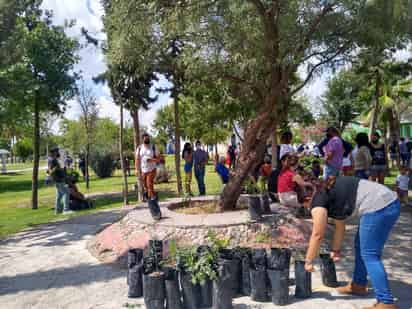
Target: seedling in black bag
303 281
328 270
135 272
173 295
154 290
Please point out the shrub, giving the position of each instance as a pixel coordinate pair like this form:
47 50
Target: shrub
102 164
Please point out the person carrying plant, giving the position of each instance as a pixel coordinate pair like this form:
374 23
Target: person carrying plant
147 157
289 181
378 208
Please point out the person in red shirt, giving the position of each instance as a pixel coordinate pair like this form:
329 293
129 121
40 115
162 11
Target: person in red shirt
289 181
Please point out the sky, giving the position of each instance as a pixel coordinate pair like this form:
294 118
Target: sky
87 14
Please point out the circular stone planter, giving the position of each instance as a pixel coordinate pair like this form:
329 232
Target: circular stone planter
279 229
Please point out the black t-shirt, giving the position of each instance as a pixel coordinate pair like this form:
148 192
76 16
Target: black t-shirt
378 155
340 200
57 173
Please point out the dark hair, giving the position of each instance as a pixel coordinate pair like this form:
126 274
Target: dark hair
145 134
315 162
402 139
198 142
333 130
287 135
186 148
362 139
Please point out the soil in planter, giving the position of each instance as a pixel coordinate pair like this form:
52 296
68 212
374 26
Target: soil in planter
328 270
199 208
173 295
303 281
154 290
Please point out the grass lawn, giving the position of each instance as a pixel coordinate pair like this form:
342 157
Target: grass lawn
15 195
21 166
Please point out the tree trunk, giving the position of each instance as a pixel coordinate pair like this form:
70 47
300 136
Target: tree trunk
125 187
177 145
375 110
274 139
36 155
253 150
86 163
136 143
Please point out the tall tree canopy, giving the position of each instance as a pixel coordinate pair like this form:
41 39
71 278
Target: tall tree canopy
255 48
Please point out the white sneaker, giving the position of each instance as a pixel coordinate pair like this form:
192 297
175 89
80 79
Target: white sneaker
68 212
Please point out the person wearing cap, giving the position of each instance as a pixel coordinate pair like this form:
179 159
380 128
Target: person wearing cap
334 152
377 209
58 176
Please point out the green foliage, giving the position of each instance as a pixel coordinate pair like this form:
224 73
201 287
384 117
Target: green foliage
342 102
202 266
23 148
251 187
102 164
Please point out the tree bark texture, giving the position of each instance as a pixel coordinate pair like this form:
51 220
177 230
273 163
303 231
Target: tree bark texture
375 110
274 142
254 146
124 172
36 154
136 142
177 145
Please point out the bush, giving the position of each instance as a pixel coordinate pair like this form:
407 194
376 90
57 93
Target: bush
102 164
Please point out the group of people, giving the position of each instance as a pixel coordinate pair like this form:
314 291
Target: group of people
68 195
354 189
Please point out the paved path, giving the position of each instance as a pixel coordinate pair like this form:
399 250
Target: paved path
49 267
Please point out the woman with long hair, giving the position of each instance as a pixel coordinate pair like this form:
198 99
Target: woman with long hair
378 209
362 157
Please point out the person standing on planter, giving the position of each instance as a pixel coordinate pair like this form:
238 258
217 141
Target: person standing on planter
362 157
379 161
147 157
200 159
378 208
187 156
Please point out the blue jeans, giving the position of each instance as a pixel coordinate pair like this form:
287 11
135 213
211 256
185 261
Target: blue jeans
62 193
373 231
330 171
200 178
362 174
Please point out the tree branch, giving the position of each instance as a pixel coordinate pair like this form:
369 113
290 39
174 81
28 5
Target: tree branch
253 87
312 29
259 6
315 67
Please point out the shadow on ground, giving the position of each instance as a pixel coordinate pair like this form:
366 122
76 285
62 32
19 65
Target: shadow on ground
58 278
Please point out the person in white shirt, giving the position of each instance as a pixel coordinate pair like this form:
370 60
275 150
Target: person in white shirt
402 185
286 146
147 158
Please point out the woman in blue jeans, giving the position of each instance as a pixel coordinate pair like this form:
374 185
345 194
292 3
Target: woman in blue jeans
378 209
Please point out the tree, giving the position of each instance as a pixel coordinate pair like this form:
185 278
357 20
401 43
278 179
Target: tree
23 148
42 79
255 47
88 106
342 103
